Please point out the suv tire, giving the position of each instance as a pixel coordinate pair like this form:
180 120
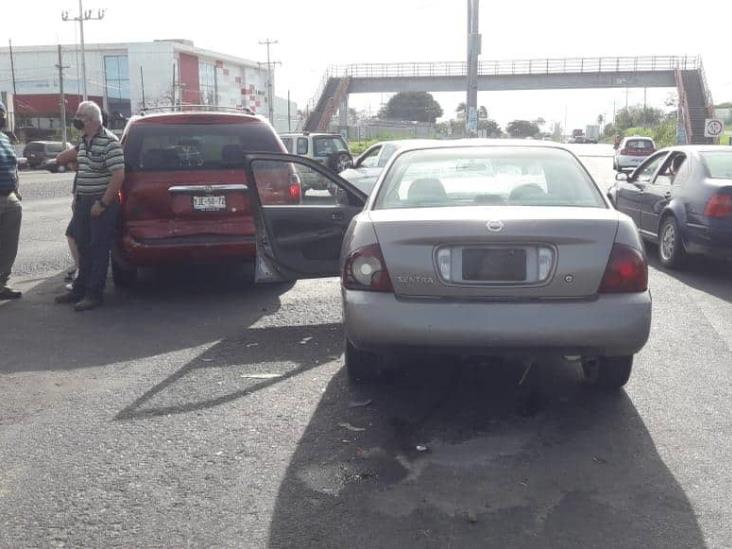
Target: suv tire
123 277
340 161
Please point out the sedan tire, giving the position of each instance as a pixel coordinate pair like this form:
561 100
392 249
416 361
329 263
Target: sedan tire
671 251
363 366
608 373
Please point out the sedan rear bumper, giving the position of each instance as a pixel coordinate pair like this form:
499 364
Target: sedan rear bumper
610 325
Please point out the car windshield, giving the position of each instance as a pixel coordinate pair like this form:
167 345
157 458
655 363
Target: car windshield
324 146
470 176
155 147
719 164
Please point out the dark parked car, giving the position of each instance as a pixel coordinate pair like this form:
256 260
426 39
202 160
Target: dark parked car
185 198
42 154
681 198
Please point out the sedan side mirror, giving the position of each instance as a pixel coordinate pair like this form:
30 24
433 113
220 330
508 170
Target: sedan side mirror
621 176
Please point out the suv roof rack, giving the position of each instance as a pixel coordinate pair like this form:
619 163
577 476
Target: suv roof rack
188 108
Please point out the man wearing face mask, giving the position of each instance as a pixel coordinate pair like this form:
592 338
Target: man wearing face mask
96 206
11 212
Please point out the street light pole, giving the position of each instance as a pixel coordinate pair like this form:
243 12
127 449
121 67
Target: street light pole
83 16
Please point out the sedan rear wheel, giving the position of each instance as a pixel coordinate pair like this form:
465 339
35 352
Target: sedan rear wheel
670 247
608 373
363 366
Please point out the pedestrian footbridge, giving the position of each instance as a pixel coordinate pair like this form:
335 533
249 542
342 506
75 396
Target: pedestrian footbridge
685 73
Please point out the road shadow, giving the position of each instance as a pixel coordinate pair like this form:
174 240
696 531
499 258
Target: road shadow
460 455
239 366
165 313
712 276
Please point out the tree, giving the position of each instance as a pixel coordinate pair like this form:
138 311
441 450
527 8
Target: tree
522 128
600 120
490 128
482 112
637 116
462 107
725 105
539 122
411 106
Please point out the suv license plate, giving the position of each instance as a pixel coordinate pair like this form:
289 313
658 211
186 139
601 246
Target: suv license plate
209 203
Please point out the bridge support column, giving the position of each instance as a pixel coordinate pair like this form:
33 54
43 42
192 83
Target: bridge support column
343 116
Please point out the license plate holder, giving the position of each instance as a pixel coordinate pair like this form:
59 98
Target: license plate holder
494 264
209 203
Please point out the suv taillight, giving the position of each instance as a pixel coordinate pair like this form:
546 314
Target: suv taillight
365 269
295 189
719 205
626 271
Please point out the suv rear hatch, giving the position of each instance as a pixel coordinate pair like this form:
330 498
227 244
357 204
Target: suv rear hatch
185 179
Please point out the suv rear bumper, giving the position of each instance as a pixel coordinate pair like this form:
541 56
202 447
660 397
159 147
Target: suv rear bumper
153 252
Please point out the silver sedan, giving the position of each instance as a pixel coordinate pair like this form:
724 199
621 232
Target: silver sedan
472 247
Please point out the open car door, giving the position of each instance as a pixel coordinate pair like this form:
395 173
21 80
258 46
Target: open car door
299 232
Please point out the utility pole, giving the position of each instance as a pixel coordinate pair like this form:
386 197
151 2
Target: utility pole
142 87
62 97
83 16
270 85
289 117
172 91
474 47
12 74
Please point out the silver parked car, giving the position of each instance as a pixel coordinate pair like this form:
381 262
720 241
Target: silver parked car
368 166
471 247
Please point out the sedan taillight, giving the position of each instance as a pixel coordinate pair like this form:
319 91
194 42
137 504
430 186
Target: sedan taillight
365 269
719 205
626 271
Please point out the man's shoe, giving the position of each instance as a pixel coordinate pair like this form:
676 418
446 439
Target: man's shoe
70 275
68 298
7 293
87 304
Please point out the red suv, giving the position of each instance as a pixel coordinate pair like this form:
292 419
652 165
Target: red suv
185 197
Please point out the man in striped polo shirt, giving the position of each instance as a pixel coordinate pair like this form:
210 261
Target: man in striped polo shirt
96 206
11 211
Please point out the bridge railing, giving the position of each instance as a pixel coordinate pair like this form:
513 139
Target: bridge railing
570 65
519 66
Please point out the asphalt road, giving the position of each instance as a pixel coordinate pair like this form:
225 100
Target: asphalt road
196 412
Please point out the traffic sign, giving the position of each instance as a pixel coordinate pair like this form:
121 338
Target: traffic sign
713 127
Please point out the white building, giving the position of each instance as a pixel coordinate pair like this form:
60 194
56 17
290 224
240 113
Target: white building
128 78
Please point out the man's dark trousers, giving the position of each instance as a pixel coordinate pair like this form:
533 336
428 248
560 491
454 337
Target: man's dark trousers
94 238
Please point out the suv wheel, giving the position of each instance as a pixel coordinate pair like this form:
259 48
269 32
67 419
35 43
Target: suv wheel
123 277
608 373
340 161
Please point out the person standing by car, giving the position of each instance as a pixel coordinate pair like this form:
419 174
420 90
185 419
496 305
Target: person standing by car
99 178
11 212
65 158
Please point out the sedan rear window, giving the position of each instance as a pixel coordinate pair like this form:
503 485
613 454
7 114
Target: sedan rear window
165 147
640 144
496 176
719 164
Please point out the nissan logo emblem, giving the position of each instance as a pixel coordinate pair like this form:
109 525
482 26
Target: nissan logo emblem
495 226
